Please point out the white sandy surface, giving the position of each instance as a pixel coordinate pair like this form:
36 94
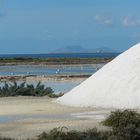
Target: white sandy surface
26 117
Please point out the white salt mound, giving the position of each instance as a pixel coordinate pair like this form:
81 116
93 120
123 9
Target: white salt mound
116 85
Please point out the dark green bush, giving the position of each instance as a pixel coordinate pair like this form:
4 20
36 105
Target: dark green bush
125 125
64 134
55 95
24 89
122 119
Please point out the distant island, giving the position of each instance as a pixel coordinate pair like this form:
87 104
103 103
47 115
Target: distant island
63 56
80 49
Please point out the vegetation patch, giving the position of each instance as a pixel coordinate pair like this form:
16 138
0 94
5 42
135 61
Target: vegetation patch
24 89
125 126
64 134
52 61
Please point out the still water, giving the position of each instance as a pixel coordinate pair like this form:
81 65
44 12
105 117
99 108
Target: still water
57 86
48 70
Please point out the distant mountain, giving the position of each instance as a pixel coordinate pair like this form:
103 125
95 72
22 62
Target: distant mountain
80 49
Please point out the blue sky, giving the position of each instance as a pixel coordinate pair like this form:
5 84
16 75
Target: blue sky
41 26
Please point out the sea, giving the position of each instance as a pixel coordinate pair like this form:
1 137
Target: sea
62 55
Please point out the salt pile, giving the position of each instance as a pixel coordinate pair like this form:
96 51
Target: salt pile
116 85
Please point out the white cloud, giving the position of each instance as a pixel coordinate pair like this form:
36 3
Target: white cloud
108 22
130 22
104 20
127 21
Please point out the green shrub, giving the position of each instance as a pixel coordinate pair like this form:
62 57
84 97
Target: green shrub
64 134
55 95
125 125
24 89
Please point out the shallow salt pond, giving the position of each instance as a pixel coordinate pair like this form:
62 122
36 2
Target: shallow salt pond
62 86
57 86
48 70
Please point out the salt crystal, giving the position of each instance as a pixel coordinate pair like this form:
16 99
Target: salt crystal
116 85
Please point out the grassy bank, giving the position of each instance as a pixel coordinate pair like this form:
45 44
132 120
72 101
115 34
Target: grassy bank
52 61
